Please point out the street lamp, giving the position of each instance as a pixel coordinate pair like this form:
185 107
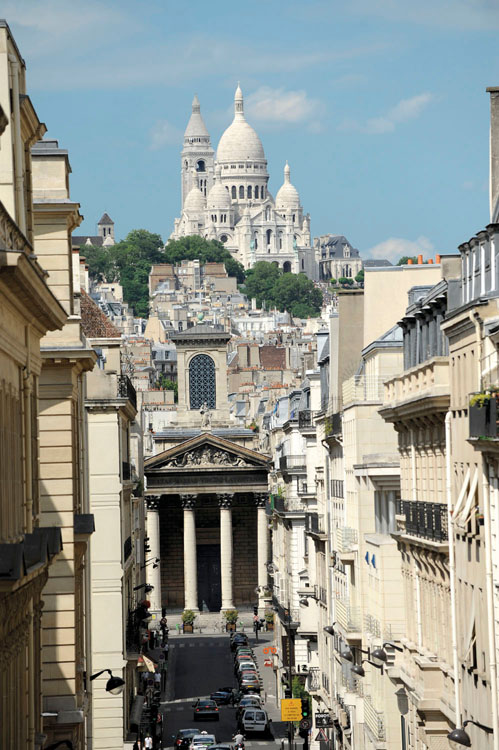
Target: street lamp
115 685
153 560
146 586
359 670
347 652
329 629
460 738
379 654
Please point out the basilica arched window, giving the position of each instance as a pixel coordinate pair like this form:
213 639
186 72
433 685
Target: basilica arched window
267 213
250 191
200 166
202 382
262 193
269 236
241 191
233 192
256 192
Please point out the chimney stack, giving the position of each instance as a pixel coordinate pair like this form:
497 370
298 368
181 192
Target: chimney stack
494 152
420 260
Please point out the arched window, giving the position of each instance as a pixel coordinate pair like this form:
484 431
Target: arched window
269 236
302 264
233 192
186 164
294 218
241 191
280 240
223 238
267 213
286 267
256 241
262 192
250 191
202 382
200 166
256 192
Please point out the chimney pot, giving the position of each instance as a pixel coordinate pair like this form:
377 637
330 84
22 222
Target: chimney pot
410 261
437 258
420 260
430 261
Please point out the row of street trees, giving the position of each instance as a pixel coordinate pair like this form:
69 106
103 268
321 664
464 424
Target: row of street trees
129 263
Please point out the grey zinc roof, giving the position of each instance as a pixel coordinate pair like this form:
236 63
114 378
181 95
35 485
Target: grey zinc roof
78 240
105 219
376 263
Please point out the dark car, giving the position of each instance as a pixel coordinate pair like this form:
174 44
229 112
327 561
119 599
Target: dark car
205 709
182 740
223 696
238 640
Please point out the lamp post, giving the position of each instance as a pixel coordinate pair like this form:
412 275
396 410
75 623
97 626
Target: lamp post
459 737
115 685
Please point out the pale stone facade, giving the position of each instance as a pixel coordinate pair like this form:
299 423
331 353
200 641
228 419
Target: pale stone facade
226 198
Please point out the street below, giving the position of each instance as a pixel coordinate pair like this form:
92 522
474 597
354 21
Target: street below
199 665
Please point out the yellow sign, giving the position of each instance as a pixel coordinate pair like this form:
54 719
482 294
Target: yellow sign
291 709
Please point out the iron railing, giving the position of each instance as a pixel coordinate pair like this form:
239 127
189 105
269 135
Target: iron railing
306 418
374 720
313 679
314 523
346 538
337 489
348 617
292 463
425 520
126 390
332 424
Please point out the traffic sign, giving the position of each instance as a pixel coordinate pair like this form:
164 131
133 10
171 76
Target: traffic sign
305 724
291 709
321 736
267 663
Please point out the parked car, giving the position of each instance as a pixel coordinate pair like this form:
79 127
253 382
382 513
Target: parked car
239 639
246 663
249 701
250 684
205 709
222 746
223 696
183 738
203 741
255 720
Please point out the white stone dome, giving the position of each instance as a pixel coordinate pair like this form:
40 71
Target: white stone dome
194 203
240 142
287 196
218 197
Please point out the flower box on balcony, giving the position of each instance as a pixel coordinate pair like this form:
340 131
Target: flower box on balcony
483 415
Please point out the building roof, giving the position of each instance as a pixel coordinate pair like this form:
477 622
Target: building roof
377 263
105 219
77 240
287 195
240 141
93 321
195 126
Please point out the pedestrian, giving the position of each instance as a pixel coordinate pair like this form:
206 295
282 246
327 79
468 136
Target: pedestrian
137 745
148 742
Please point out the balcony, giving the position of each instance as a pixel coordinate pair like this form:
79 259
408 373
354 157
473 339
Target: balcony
292 465
374 720
348 617
424 387
306 419
126 390
483 416
314 680
424 520
346 540
289 617
314 524
360 388
332 425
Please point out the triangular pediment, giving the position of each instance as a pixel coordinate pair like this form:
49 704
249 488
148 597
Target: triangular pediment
207 451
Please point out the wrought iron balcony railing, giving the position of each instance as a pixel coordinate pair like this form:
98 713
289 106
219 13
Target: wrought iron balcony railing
332 424
347 616
345 538
291 464
314 523
374 720
425 520
126 390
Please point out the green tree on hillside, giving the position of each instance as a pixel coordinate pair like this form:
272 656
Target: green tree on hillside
194 247
287 291
403 260
132 258
100 263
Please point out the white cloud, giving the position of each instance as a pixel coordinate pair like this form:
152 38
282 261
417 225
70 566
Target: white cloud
405 110
395 247
163 133
281 106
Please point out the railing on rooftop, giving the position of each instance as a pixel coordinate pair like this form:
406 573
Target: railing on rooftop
314 523
126 390
362 388
306 418
425 520
292 463
332 425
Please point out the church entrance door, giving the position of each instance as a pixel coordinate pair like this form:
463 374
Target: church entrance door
209 577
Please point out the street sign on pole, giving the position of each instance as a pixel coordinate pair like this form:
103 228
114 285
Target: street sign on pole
305 724
291 709
323 719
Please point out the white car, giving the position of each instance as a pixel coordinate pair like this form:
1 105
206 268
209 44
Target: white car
255 720
203 741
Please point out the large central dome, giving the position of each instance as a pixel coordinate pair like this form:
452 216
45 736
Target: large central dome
240 141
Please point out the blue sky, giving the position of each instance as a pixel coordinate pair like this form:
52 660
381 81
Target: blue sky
378 105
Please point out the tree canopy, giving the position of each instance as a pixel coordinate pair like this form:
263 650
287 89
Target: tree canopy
194 247
403 260
286 291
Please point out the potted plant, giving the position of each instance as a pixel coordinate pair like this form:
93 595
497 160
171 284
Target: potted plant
269 620
483 413
188 617
231 616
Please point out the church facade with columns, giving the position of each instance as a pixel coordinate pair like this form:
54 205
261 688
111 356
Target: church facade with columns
225 197
207 490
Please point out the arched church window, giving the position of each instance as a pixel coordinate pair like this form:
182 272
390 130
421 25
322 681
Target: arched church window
256 192
256 241
233 192
269 236
250 191
267 213
200 166
202 382
286 267
186 164
262 193
302 264
241 191
223 238
294 218
280 241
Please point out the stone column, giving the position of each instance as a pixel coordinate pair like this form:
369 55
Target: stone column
153 574
190 553
226 550
263 548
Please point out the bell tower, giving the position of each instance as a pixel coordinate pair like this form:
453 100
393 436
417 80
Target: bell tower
198 157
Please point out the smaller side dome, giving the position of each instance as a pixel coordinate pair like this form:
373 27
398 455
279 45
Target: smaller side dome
194 203
287 196
218 197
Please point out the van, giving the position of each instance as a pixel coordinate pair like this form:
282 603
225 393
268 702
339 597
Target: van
255 720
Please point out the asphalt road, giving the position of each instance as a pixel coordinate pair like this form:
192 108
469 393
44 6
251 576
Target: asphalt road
198 666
